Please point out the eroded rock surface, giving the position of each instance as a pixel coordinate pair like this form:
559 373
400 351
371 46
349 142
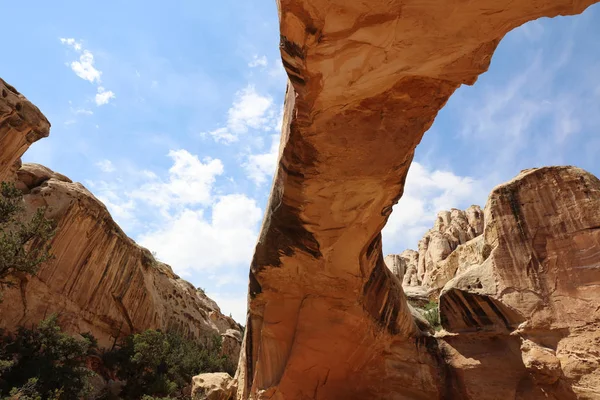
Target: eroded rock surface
327 318
540 280
214 386
451 246
100 280
21 124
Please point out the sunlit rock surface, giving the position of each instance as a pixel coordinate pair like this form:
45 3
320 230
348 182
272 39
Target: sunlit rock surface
327 318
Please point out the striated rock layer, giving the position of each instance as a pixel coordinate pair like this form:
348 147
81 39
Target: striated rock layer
540 280
100 280
326 318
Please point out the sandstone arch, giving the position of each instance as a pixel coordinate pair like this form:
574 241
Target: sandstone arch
367 78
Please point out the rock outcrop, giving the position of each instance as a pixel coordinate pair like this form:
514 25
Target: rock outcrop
100 280
539 281
449 247
214 386
21 124
326 318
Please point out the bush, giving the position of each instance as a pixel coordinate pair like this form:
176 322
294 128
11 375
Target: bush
432 315
44 362
24 245
161 364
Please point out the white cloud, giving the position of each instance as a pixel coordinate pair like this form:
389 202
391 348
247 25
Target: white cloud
105 166
206 238
192 242
103 96
260 167
83 111
258 61
250 110
71 42
190 182
84 68
426 193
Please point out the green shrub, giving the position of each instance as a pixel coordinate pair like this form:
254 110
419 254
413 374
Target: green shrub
44 362
432 315
24 244
161 364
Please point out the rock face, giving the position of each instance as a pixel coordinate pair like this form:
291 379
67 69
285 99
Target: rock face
215 386
540 279
326 318
21 124
445 249
100 280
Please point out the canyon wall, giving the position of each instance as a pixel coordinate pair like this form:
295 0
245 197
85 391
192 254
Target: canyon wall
326 318
537 284
523 293
100 280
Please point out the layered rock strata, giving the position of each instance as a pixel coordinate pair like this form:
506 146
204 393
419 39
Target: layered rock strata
539 281
21 124
99 280
327 319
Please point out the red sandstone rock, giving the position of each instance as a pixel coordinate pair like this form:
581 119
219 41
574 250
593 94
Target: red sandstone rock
326 318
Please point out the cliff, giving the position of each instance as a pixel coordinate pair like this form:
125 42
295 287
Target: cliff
536 288
447 248
523 292
326 318
100 280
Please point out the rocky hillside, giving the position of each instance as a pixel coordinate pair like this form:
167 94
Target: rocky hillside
100 280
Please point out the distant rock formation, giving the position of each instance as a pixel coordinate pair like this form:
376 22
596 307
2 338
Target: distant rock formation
100 280
529 280
442 252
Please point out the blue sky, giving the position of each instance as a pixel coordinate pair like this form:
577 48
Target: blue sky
170 115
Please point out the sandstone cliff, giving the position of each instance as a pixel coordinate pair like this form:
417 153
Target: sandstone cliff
327 319
21 124
523 292
537 285
449 247
100 280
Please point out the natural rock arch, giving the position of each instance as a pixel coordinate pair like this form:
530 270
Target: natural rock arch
326 320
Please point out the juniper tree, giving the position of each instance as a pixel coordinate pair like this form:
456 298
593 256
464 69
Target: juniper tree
24 242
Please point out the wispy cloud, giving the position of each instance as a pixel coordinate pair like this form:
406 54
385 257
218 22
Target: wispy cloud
250 110
190 182
85 69
258 61
260 167
196 228
106 166
103 96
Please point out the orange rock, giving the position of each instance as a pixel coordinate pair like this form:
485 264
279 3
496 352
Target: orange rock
327 319
21 124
